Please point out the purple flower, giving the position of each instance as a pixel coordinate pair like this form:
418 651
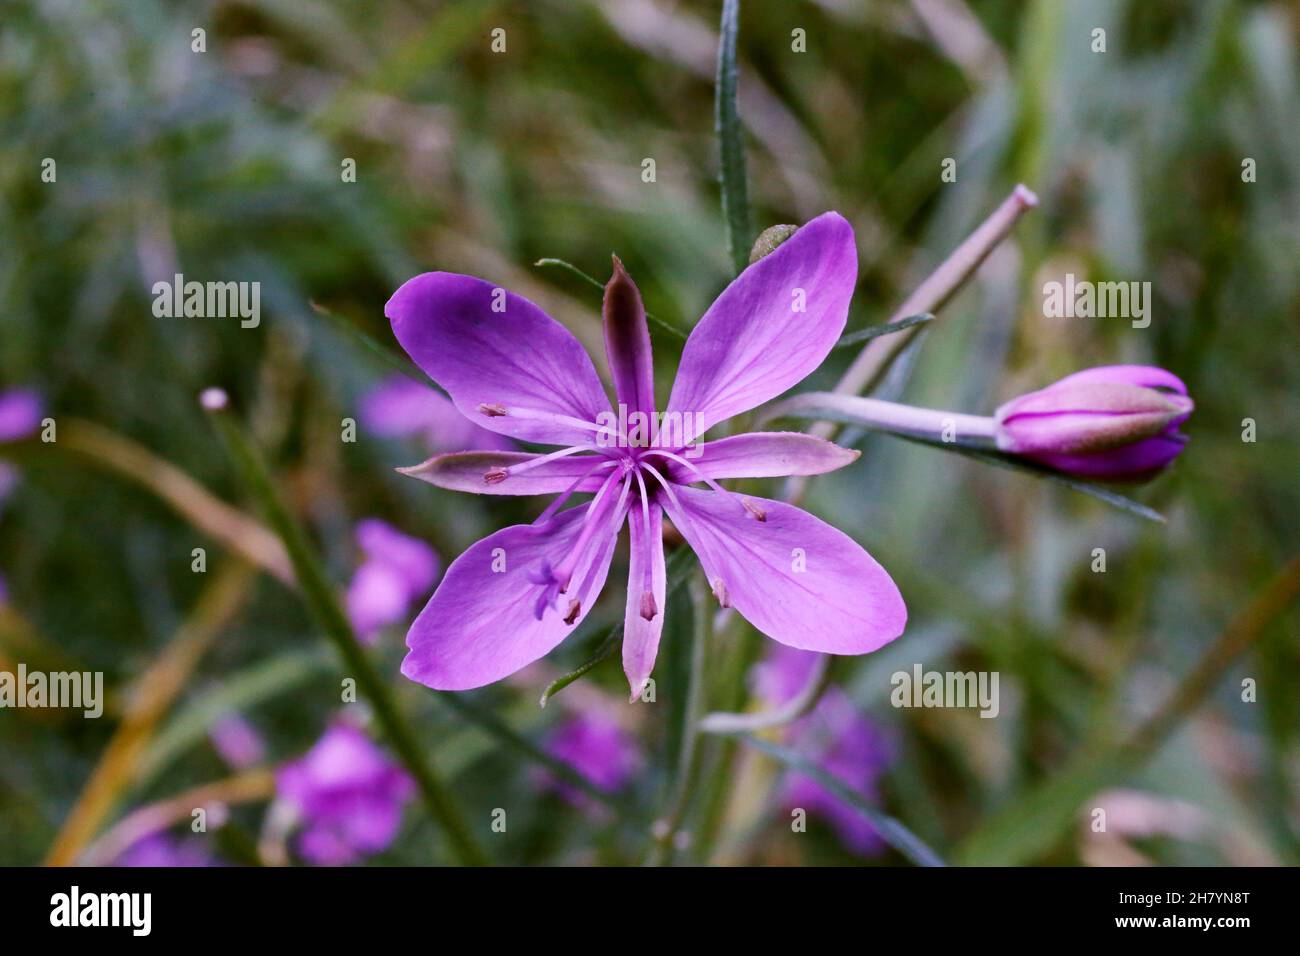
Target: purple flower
161 849
397 571
838 738
399 407
20 413
1116 422
595 746
348 794
237 741
510 368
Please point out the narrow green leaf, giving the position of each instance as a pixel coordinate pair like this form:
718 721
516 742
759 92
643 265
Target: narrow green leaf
891 831
875 331
654 320
1011 462
318 593
499 729
385 354
677 569
731 145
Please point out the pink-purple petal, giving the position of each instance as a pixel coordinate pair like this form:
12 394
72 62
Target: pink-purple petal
641 634
763 455
465 471
487 346
754 343
480 625
627 343
794 577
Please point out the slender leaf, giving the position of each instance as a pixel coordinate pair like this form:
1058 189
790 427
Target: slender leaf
891 831
653 319
385 354
875 331
731 146
318 593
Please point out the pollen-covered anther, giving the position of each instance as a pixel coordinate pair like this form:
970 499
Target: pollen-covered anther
495 476
575 608
754 509
720 592
648 606
491 409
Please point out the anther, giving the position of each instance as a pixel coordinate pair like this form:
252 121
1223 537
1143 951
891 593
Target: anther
648 606
754 509
492 410
575 608
720 592
495 476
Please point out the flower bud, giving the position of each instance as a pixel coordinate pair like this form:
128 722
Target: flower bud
1116 422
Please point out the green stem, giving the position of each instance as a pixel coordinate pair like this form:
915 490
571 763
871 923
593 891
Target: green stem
669 824
731 146
319 594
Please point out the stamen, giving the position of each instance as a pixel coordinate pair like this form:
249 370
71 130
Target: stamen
546 459
532 414
647 572
568 492
564 573
720 592
648 607
745 502
575 608
494 476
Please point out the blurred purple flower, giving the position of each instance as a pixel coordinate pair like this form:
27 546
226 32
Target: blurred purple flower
237 741
509 367
20 413
838 738
349 795
400 408
397 571
594 745
1117 422
162 849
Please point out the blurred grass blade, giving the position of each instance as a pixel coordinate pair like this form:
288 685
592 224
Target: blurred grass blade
385 354
1031 826
678 570
319 595
597 284
154 691
731 145
489 721
875 331
891 831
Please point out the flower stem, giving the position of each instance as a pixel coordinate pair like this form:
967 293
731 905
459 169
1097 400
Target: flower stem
886 416
668 826
321 600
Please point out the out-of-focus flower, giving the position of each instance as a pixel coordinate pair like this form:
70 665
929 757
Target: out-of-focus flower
20 413
838 738
399 407
594 745
1114 422
348 794
510 368
162 849
237 741
397 571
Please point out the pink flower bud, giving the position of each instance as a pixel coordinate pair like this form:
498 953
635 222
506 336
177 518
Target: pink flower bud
1116 422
